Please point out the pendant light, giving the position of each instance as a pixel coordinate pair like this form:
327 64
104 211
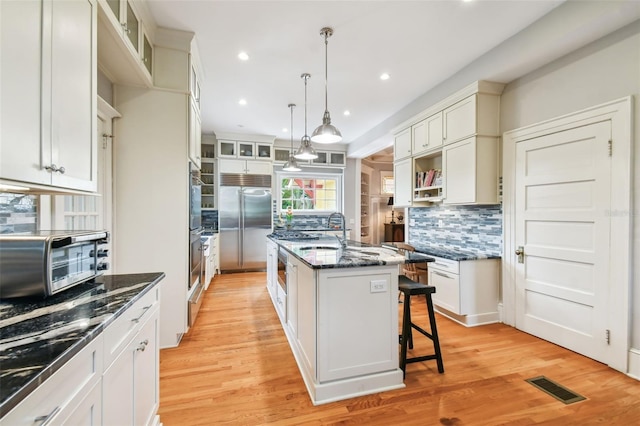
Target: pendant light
306 151
292 164
326 132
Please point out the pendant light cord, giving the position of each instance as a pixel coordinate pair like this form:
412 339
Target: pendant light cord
326 68
291 106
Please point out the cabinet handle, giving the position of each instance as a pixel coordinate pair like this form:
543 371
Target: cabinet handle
144 311
53 168
442 275
126 28
143 345
47 419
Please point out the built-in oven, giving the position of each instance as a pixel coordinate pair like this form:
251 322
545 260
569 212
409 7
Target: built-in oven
282 269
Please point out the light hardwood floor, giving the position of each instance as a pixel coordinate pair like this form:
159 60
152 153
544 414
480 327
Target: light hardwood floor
235 367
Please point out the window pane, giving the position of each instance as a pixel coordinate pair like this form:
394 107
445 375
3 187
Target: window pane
309 193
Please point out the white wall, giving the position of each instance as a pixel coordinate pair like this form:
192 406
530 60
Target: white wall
605 70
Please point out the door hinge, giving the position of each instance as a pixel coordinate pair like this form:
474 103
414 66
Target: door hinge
608 336
105 138
610 147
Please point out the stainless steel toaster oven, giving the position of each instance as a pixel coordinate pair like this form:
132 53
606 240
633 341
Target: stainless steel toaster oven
42 263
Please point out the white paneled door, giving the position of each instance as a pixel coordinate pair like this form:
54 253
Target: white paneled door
562 227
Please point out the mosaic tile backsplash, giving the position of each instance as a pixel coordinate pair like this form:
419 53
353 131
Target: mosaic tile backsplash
18 213
472 228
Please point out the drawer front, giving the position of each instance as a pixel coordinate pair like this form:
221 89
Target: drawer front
447 293
445 265
119 333
61 393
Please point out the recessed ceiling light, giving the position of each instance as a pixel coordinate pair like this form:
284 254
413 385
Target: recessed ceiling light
285 130
242 101
384 76
243 56
347 112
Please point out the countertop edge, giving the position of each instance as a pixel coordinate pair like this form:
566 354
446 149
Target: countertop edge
16 398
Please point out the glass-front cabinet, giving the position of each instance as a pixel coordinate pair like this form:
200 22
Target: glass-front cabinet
246 150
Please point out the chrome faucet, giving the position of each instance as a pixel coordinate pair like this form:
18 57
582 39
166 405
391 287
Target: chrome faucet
343 242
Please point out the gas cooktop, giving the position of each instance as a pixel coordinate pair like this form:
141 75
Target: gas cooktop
294 235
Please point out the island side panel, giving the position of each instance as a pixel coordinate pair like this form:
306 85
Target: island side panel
357 322
305 332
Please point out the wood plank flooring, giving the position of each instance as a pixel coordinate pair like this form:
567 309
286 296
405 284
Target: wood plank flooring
235 367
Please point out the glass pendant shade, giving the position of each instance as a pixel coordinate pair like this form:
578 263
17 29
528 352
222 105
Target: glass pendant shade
326 132
291 165
305 151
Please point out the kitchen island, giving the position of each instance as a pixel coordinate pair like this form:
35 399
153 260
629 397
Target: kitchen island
339 310
70 358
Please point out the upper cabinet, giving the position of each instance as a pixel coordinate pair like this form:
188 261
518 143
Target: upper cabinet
48 134
247 147
402 144
125 42
453 148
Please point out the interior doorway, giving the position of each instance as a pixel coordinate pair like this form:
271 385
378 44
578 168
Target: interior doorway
379 168
599 174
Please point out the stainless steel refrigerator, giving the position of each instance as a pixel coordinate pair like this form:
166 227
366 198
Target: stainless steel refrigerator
244 210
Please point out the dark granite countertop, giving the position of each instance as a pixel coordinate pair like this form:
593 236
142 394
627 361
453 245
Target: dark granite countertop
453 253
325 253
38 336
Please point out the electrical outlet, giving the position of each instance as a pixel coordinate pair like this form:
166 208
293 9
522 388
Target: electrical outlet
378 286
440 223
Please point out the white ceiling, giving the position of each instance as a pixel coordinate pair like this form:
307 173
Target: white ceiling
419 43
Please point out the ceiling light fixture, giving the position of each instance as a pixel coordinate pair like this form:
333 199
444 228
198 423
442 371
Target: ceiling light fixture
292 164
306 151
385 76
326 132
243 56
242 101
347 112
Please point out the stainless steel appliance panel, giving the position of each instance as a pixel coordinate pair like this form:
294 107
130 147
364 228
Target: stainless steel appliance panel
244 217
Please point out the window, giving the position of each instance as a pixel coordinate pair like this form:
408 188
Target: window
386 183
305 192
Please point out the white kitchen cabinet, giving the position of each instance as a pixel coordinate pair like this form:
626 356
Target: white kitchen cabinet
426 135
470 171
466 291
403 183
73 392
402 144
281 155
195 133
428 180
329 158
476 115
211 259
130 383
125 42
245 150
250 167
293 265
48 132
272 269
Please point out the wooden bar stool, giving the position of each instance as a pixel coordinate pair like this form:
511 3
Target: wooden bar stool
411 288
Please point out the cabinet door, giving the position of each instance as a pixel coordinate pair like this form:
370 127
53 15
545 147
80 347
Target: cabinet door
195 135
145 372
447 293
227 149
292 296
88 411
427 134
459 172
147 53
402 144
323 158
132 27
232 166
403 183
264 151
281 155
246 149
117 390
337 158
459 120
73 107
259 168
20 83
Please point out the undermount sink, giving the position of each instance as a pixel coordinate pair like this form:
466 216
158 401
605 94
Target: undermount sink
319 248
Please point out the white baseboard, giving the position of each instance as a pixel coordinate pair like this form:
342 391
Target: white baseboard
634 363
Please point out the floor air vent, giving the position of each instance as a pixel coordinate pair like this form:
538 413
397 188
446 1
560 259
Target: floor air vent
555 390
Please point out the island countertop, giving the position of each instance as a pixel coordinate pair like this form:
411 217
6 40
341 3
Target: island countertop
326 252
39 335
